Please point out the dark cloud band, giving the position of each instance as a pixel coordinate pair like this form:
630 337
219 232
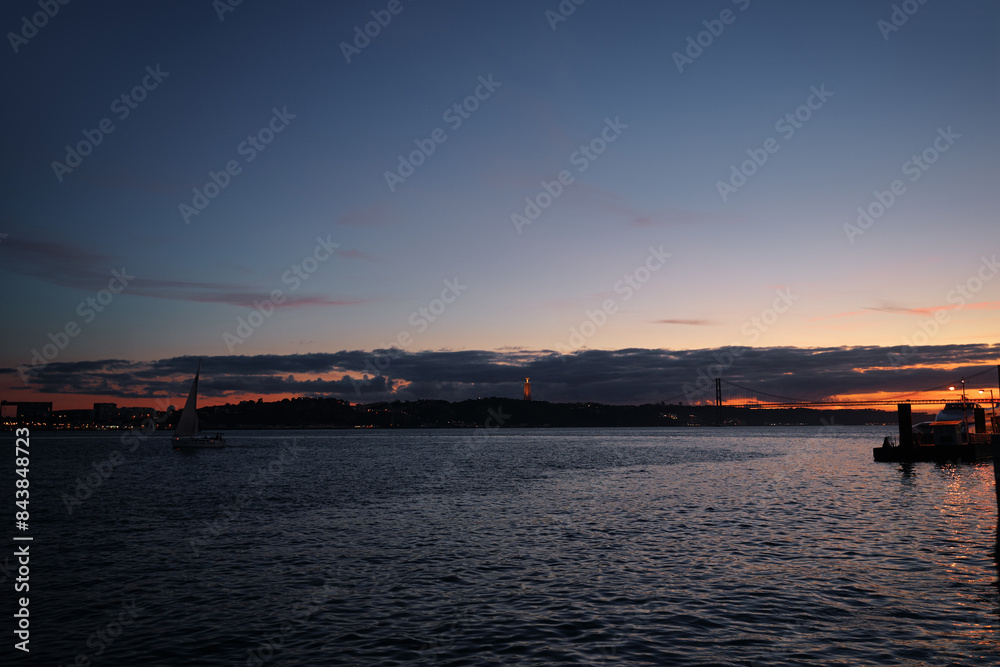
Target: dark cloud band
631 375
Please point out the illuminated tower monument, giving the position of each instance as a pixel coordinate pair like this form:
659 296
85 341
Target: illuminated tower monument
527 389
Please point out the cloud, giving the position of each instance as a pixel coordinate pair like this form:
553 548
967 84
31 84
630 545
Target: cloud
78 267
697 323
837 315
927 311
132 180
355 254
58 263
614 204
376 215
676 216
986 305
631 375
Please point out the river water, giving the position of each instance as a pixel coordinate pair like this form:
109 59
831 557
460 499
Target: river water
685 546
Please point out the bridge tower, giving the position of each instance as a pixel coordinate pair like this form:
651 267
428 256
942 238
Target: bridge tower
718 401
527 389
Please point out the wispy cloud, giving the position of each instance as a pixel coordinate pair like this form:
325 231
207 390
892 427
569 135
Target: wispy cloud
674 216
902 310
930 310
355 254
851 313
615 204
57 263
893 309
376 215
697 323
79 267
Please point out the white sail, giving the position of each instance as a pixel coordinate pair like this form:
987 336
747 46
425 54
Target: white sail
187 434
188 424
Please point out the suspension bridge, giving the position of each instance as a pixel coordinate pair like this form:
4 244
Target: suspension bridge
978 387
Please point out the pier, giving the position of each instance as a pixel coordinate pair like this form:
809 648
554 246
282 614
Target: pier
952 437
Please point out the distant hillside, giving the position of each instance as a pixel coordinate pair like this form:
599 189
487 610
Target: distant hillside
334 413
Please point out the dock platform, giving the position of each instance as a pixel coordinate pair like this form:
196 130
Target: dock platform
979 449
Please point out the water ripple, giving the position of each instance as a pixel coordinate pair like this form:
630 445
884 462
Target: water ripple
646 546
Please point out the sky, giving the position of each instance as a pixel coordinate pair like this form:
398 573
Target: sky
419 199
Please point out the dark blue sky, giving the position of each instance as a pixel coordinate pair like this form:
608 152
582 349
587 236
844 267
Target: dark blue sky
650 242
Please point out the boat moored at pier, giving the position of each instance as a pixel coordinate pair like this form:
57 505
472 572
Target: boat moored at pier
962 432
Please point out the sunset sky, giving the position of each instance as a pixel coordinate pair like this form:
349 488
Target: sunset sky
605 201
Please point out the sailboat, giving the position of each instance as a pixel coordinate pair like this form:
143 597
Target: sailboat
187 434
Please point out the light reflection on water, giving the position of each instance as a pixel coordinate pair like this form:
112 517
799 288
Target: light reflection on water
602 546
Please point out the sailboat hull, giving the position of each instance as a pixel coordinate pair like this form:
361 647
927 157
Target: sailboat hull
199 442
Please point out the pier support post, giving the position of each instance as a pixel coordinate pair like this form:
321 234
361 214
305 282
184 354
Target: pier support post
905 418
995 443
